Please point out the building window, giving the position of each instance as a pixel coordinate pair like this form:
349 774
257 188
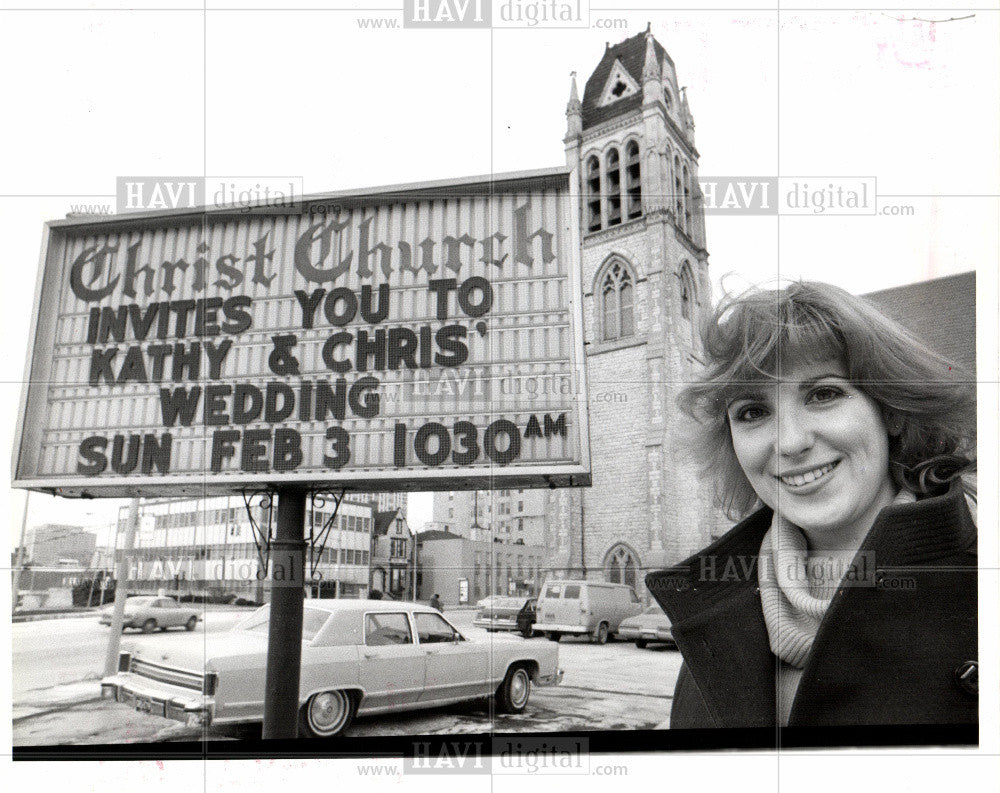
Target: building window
687 202
633 186
604 188
678 191
621 566
593 194
614 188
617 302
689 293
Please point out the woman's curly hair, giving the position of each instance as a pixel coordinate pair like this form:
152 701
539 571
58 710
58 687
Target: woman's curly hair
928 405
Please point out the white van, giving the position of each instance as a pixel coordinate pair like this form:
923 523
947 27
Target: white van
583 608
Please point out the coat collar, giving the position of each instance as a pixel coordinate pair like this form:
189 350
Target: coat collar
713 601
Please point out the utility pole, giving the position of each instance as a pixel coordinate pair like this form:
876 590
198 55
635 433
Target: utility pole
19 559
284 637
413 570
121 589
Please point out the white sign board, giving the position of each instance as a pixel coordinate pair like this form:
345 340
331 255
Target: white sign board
421 337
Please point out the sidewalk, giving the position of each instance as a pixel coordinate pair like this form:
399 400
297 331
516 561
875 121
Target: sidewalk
56 698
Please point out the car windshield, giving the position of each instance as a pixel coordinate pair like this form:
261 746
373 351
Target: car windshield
312 621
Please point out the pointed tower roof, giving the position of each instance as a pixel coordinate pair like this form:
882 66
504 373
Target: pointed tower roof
574 95
630 55
651 67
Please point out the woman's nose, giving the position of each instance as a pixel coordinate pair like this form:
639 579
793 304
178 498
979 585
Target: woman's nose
795 435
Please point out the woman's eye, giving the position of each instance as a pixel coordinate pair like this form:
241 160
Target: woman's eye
825 394
749 413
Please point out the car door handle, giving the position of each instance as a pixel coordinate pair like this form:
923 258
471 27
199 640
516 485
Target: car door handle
370 655
432 652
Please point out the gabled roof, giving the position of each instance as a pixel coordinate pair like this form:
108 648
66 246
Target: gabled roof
941 312
383 520
632 54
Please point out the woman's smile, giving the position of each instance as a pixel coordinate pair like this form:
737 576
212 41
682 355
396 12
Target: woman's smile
798 480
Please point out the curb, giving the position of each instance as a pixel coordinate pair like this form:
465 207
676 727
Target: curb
59 615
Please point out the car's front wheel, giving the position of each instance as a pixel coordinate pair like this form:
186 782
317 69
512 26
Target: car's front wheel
191 624
640 643
326 714
514 691
149 626
553 636
601 637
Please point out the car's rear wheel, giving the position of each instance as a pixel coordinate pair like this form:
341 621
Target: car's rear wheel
553 636
191 624
601 636
149 626
514 691
326 714
527 633
640 643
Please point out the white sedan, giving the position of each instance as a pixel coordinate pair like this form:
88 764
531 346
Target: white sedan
646 628
358 657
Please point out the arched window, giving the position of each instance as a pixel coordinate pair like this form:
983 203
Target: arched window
614 187
678 190
621 566
612 197
689 293
593 184
633 184
617 291
687 202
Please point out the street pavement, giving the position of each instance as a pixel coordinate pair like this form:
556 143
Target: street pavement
58 664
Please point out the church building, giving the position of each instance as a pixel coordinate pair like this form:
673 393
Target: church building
631 157
630 148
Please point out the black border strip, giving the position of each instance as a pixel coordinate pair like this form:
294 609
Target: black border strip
600 742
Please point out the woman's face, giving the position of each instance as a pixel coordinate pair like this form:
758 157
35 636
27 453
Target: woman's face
816 450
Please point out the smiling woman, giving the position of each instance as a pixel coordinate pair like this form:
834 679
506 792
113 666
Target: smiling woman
849 438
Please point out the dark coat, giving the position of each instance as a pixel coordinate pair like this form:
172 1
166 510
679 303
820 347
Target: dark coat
892 652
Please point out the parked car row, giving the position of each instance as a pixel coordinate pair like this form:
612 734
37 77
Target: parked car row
582 608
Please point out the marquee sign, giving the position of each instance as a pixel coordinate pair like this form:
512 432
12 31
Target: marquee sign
421 337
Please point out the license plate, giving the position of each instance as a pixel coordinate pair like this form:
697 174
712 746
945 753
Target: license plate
649 634
144 704
548 616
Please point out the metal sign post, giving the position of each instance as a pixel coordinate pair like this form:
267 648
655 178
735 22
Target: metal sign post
121 589
284 640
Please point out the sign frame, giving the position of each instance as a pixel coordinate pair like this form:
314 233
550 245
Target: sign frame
481 475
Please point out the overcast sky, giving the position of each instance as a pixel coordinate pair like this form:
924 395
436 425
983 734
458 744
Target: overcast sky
312 95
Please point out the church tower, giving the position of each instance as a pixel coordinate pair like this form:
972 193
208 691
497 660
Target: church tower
631 154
